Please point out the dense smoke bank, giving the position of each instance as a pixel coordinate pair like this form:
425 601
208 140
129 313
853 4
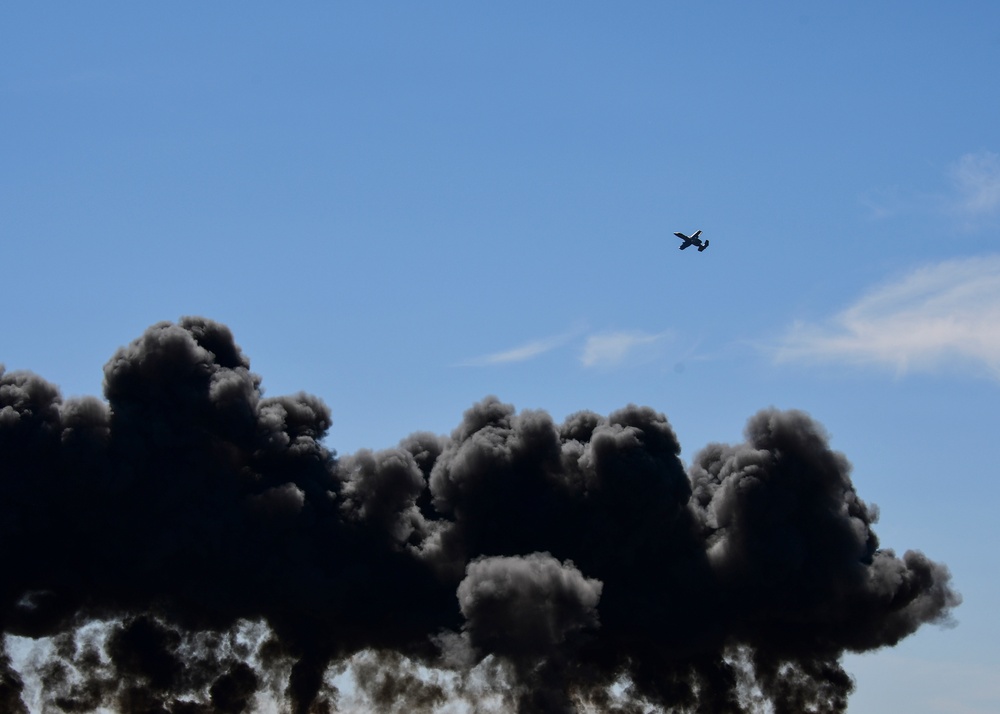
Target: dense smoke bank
230 555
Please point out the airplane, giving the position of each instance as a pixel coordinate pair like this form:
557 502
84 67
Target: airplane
692 240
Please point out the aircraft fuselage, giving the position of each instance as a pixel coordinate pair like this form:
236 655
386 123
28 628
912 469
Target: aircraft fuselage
692 239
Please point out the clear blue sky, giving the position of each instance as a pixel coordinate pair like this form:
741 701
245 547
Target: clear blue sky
402 208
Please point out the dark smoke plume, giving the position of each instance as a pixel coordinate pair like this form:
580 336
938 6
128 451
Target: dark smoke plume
189 545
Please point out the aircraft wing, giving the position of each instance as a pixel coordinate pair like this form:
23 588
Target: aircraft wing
687 244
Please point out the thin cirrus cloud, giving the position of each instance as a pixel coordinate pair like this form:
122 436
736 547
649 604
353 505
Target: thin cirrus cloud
613 349
521 353
940 316
601 350
973 197
977 182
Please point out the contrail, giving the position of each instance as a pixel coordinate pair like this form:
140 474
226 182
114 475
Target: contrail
232 556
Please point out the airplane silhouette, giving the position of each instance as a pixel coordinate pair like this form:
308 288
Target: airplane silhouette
692 240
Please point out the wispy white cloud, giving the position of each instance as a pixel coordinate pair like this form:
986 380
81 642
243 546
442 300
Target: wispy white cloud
941 315
611 349
973 196
602 350
977 182
521 353
886 202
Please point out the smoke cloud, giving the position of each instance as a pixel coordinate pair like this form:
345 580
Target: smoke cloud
187 545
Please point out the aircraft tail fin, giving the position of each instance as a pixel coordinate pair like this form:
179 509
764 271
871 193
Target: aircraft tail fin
701 248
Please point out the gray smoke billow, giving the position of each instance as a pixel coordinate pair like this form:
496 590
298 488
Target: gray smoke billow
229 553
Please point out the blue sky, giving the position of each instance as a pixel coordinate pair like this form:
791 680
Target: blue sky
403 208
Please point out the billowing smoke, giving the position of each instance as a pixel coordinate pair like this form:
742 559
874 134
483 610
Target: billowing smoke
189 545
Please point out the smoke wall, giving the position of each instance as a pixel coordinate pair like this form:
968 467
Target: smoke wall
188 545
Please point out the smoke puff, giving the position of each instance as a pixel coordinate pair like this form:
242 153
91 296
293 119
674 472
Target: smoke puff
789 537
381 489
189 545
526 606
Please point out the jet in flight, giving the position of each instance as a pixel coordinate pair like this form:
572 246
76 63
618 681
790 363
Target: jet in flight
692 240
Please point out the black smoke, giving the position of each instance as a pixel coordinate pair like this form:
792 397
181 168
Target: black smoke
189 545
